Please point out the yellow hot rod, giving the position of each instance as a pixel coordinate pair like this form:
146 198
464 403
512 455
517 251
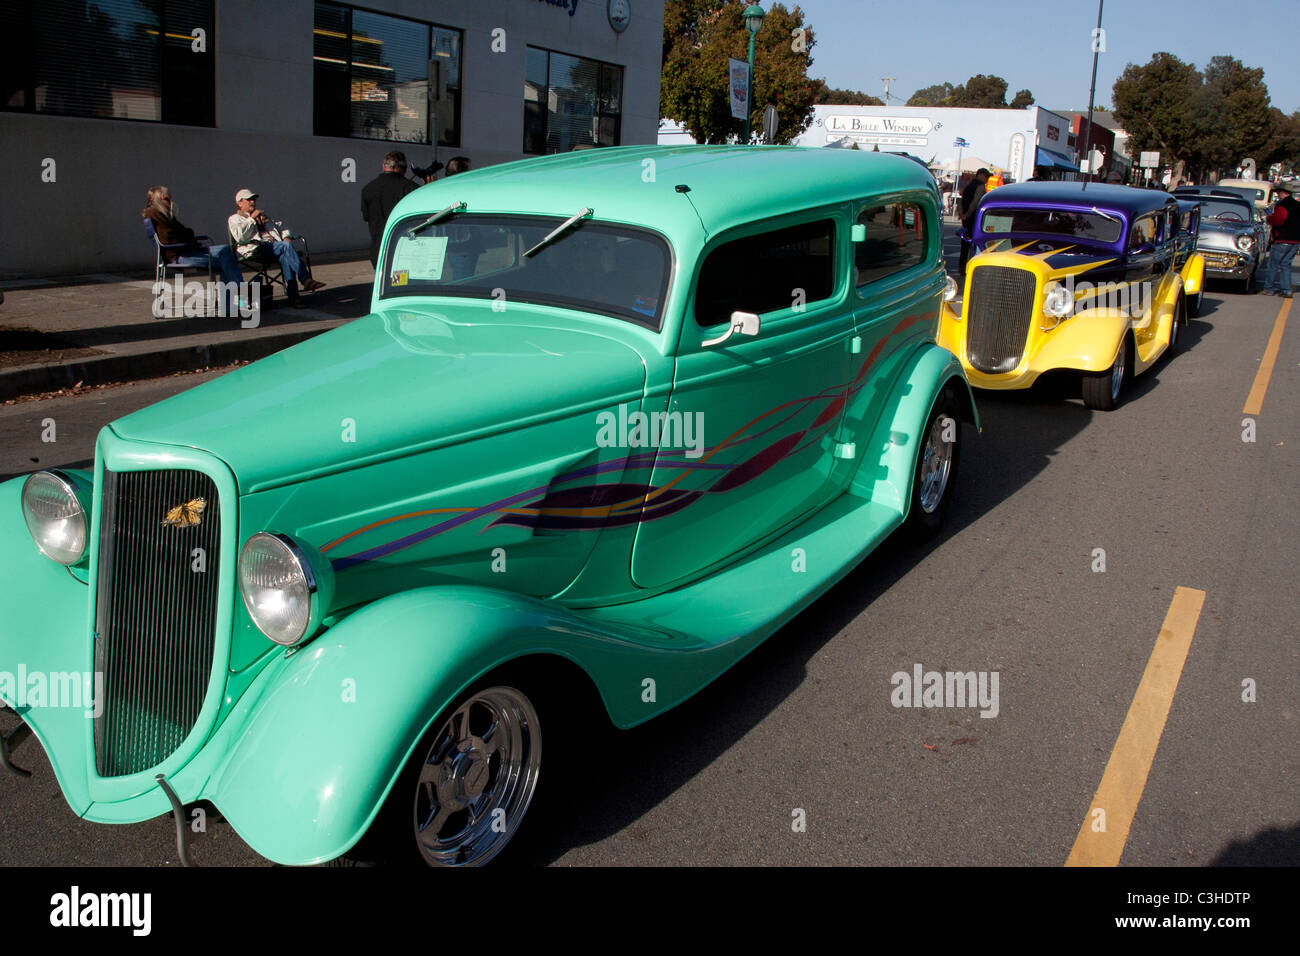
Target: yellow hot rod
1094 278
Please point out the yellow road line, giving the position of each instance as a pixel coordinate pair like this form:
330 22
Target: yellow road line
1255 400
1130 761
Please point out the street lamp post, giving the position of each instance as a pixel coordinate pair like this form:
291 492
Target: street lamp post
754 22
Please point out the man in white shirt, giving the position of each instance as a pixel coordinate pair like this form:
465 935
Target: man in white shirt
256 236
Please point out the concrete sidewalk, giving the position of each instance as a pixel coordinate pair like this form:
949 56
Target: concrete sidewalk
96 329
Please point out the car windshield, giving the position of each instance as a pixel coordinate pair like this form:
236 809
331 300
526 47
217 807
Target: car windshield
1041 221
1224 209
613 270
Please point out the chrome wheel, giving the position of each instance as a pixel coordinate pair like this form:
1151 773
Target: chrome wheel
936 463
477 778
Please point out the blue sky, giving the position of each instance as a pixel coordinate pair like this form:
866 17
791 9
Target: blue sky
1044 46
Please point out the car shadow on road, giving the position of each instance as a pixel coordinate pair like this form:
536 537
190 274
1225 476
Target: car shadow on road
628 773
1276 846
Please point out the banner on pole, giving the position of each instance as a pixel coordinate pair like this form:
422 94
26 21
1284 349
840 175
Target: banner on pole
739 89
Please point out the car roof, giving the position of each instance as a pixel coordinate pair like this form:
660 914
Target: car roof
1214 192
726 185
1126 199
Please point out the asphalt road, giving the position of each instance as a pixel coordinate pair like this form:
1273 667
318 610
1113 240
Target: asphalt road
1165 485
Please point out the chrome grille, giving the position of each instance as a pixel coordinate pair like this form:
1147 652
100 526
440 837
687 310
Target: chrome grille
155 615
1000 310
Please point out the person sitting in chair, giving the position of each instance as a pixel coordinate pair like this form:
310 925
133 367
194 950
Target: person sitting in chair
257 237
171 231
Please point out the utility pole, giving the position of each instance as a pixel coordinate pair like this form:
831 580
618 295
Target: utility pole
1097 43
888 81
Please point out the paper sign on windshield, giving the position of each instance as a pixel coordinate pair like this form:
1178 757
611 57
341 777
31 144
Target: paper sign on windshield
419 257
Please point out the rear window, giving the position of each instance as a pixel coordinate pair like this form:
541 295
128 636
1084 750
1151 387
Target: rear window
619 271
768 272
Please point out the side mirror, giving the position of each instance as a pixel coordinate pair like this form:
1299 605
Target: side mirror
742 323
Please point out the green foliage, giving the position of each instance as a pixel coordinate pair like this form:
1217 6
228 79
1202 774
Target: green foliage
932 96
980 92
1210 121
700 36
1283 145
830 96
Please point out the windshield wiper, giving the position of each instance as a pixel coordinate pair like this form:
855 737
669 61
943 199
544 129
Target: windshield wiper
558 230
436 217
1106 215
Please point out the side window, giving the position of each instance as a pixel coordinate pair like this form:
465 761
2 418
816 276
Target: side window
895 240
1144 230
767 272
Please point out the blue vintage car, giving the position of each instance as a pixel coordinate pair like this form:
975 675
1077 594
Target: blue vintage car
614 418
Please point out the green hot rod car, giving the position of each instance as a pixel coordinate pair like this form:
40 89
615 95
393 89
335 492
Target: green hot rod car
614 418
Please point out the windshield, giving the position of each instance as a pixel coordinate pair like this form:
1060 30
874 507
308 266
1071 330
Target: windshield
613 270
1052 222
1226 210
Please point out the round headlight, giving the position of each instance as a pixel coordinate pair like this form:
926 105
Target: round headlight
55 517
1058 301
279 587
949 289
1245 243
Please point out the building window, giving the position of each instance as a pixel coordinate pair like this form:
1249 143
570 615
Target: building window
115 59
570 103
382 77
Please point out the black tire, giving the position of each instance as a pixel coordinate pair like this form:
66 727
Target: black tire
934 474
1194 303
1176 327
1102 390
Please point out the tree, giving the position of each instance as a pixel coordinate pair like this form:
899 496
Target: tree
981 92
1283 145
702 35
1022 100
830 96
1159 106
932 96
1237 108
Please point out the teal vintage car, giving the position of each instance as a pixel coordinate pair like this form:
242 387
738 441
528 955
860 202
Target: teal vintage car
613 419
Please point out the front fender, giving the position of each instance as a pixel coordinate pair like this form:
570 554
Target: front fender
1087 342
334 723
1193 273
885 475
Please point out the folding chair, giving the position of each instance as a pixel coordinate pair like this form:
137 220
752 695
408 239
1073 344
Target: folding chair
266 265
163 269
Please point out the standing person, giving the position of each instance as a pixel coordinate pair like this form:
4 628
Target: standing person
966 209
381 195
458 164
1285 220
255 235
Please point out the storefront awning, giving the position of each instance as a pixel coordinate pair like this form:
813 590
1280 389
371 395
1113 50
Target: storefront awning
1048 157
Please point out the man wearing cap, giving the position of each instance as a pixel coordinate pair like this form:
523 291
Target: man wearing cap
1285 220
255 236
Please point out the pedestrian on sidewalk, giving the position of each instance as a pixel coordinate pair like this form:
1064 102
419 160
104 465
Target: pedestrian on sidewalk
171 231
1285 220
257 237
381 195
966 209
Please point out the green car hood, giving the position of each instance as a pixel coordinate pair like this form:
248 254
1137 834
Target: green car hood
389 384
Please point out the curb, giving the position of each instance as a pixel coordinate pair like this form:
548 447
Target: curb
125 368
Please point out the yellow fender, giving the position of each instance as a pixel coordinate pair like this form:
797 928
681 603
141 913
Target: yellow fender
1193 273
